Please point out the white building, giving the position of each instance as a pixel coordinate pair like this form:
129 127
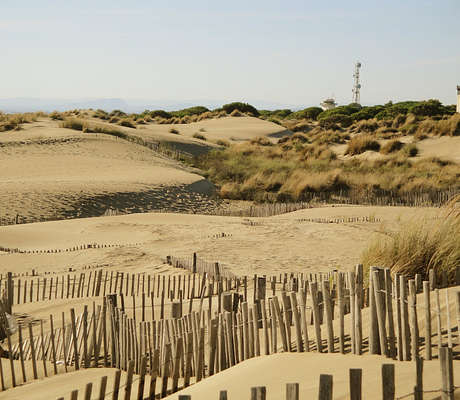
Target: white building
458 99
328 104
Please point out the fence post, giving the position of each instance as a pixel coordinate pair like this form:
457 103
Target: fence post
426 293
103 387
129 380
292 391
314 299
356 375
379 306
418 389
447 373
258 393
388 381
325 387
88 390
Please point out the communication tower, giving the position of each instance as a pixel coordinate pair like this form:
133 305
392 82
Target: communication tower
357 86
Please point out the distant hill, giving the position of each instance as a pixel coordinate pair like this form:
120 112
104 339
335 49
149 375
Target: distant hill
30 104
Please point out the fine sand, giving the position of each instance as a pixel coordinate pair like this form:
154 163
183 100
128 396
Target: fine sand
49 173
283 243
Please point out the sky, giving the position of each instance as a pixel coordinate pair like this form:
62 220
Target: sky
268 53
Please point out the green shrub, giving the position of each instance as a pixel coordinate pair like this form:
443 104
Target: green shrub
197 110
342 110
307 113
242 107
428 108
366 113
329 121
160 113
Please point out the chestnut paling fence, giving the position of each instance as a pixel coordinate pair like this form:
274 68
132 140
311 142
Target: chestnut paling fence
171 330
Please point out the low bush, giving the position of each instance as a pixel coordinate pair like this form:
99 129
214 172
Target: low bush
197 110
174 130
333 120
242 107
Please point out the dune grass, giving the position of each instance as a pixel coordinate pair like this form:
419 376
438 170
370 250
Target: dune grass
10 122
391 146
199 136
420 244
302 164
361 143
89 127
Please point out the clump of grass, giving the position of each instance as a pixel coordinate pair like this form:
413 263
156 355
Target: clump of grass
410 150
56 116
73 123
223 143
86 127
199 136
10 122
361 143
174 130
420 244
391 147
127 123
261 140
236 113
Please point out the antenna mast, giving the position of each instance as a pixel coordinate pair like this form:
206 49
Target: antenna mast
357 86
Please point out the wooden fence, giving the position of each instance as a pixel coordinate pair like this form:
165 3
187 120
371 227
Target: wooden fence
216 322
312 199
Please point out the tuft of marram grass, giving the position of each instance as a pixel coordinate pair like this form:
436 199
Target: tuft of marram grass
420 244
361 143
391 146
199 136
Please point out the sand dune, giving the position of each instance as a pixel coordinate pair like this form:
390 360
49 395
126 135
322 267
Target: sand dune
276 370
277 244
50 172
227 128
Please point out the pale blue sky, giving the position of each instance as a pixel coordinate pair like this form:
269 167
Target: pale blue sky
263 52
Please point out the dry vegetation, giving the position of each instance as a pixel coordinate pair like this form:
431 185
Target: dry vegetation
300 165
420 245
10 122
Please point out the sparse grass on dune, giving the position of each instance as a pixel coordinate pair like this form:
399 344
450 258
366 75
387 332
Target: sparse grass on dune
296 167
88 127
420 244
9 122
